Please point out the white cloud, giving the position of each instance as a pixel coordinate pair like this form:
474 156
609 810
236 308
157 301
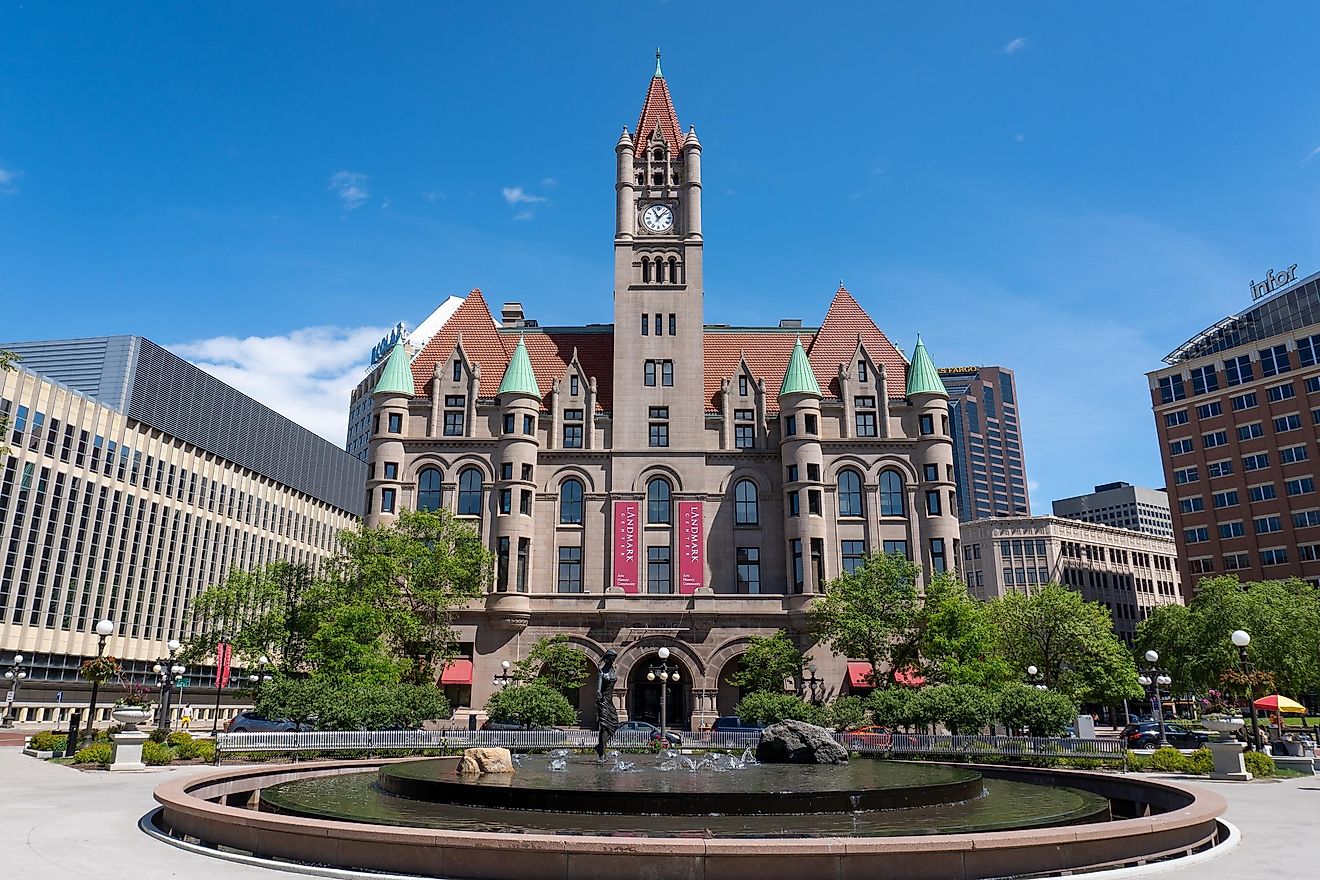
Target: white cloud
305 375
9 180
1015 45
549 183
525 214
351 187
516 195
1315 151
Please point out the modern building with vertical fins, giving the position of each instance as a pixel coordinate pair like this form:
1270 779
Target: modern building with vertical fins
660 481
988 459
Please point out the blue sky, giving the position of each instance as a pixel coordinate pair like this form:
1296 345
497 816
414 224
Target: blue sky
1070 190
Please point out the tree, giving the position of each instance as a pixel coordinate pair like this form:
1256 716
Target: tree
956 637
258 612
767 707
534 704
414 573
894 707
1071 642
767 663
1040 713
554 661
7 360
340 704
870 613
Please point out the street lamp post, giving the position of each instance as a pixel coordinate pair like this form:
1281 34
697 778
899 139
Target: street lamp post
14 676
104 629
664 673
259 676
813 682
1036 678
1153 680
503 678
1241 638
163 669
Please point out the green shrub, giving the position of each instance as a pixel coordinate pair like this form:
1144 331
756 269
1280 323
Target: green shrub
1168 760
893 707
1259 764
1201 762
764 707
178 738
203 748
533 704
97 753
1135 762
346 705
156 754
48 741
158 735
1040 713
187 749
847 712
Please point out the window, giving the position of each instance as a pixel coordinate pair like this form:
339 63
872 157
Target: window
1214 438
937 558
794 505
1244 401
502 564
1222 468
1283 424
1198 535
396 423
506 470
790 426
742 385
1264 492
667 373
659 434
428 489
570 502
387 500
657 569
850 494
1235 561
1308 350
524 552
572 436
891 494
862 372
529 424
1259 461
745 507
748 561
1238 370
1227 498
1181 446
1300 486
391 470
525 502
814 502
1210 410
792 473
1176 418
1274 360
927 425
673 318
657 502
811 424
1171 389
931 472
1250 432
1231 530
795 555
509 423
1291 454
570 570
744 436
646 319
458 370
933 503
469 493
899 548
1204 380
1280 392
1274 556
648 377
574 387
853 554
453 423
506 501
1191 505
1306 518
1267 524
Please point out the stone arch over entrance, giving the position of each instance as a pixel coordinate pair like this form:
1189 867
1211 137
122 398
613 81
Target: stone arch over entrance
726 660
644 695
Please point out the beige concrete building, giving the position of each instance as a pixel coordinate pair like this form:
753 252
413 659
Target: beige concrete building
1125 570
659 481
106 517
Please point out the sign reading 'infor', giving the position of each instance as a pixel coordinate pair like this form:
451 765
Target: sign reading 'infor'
1273 282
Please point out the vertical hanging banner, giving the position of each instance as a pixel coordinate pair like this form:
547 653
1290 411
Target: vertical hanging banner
224 652
691 538
627 538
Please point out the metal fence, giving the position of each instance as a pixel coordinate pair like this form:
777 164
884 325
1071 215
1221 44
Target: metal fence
897 744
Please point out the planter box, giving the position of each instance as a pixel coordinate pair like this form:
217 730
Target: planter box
45 756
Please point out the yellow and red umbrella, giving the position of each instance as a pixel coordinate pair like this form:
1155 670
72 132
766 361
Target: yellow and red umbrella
1281 704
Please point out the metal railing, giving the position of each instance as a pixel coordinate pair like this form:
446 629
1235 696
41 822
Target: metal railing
896 744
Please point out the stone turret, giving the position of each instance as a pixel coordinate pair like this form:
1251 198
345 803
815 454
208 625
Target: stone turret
519 401
385 456
936 498
800 450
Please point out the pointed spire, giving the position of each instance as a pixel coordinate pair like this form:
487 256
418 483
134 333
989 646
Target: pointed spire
518 377
396 377
658 72
658 115
922 377
799 378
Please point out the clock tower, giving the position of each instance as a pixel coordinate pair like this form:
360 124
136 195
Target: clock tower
659 397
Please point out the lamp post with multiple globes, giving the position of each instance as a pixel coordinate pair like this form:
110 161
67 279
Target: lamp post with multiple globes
14 677
167 673
1036 678
664 672
104 629
1154 680
1241 638
260 676
503 678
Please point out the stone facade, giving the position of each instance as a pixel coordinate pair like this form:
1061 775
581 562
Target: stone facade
658 481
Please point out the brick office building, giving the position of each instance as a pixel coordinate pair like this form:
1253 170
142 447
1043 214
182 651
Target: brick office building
659 481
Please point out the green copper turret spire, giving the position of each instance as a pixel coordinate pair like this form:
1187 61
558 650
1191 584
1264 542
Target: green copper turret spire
658 72
922 376
397 377
519 378
799 378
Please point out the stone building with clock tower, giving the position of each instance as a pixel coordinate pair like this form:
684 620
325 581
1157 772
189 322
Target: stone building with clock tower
662 482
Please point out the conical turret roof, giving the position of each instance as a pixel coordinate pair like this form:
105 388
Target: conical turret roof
799 378
397 377
518 377
922 376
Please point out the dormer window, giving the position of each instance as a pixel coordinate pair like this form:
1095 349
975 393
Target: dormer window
573 386
863 374
742 386
658 155
658 178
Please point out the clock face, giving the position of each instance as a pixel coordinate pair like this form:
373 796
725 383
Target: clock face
658 218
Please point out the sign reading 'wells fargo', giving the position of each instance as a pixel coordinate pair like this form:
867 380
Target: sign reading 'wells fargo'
627 535
691 538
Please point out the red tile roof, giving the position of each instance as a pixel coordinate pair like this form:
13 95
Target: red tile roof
836 342
658 110
481 342
766 352
551 352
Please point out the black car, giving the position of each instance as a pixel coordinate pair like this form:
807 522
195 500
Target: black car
1146 735
734 724
251 722
644 732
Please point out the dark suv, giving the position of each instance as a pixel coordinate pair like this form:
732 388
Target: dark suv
733 724
1146 735
251 722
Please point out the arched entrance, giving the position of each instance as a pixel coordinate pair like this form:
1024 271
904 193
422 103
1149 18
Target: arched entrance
584 698
644 695
728 695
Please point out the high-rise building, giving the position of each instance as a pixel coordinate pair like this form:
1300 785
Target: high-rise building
988 462
1126 571
1123 506
660 482
132 481
1237 410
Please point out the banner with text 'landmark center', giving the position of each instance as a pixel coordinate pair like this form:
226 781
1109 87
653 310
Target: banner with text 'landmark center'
627 535
691 538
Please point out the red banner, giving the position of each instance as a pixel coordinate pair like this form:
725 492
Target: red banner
691 538
224 652
627 541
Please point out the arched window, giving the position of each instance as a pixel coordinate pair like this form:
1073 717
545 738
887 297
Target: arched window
673 270
658 178
428 489
891 494
659 270
469 493
657 502
646 270
570 502
745 512
659 155
850 494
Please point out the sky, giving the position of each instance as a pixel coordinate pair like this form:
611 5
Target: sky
1068 190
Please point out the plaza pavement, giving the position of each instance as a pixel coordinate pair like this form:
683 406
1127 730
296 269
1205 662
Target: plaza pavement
61 822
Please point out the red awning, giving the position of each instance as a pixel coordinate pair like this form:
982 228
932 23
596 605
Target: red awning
859 676
458 672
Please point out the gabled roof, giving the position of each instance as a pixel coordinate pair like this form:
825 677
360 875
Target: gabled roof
518 376
481 342
551 351
658 110
923 378
396 375
766 352
836 342
799 378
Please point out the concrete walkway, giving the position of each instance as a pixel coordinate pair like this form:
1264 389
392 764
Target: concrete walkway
60 822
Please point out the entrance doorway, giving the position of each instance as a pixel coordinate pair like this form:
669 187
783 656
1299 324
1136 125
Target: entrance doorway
644 695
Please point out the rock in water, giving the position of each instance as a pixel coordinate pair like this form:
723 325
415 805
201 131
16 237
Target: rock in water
485 761
797 742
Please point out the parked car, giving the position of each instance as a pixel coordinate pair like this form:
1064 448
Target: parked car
644 732
1146 735
251 722
871 736
734 724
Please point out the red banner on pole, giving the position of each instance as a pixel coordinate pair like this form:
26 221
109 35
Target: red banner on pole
691 539
224 652
627 538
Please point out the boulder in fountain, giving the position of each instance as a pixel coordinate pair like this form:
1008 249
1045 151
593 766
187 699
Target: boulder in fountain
476 761
797 742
